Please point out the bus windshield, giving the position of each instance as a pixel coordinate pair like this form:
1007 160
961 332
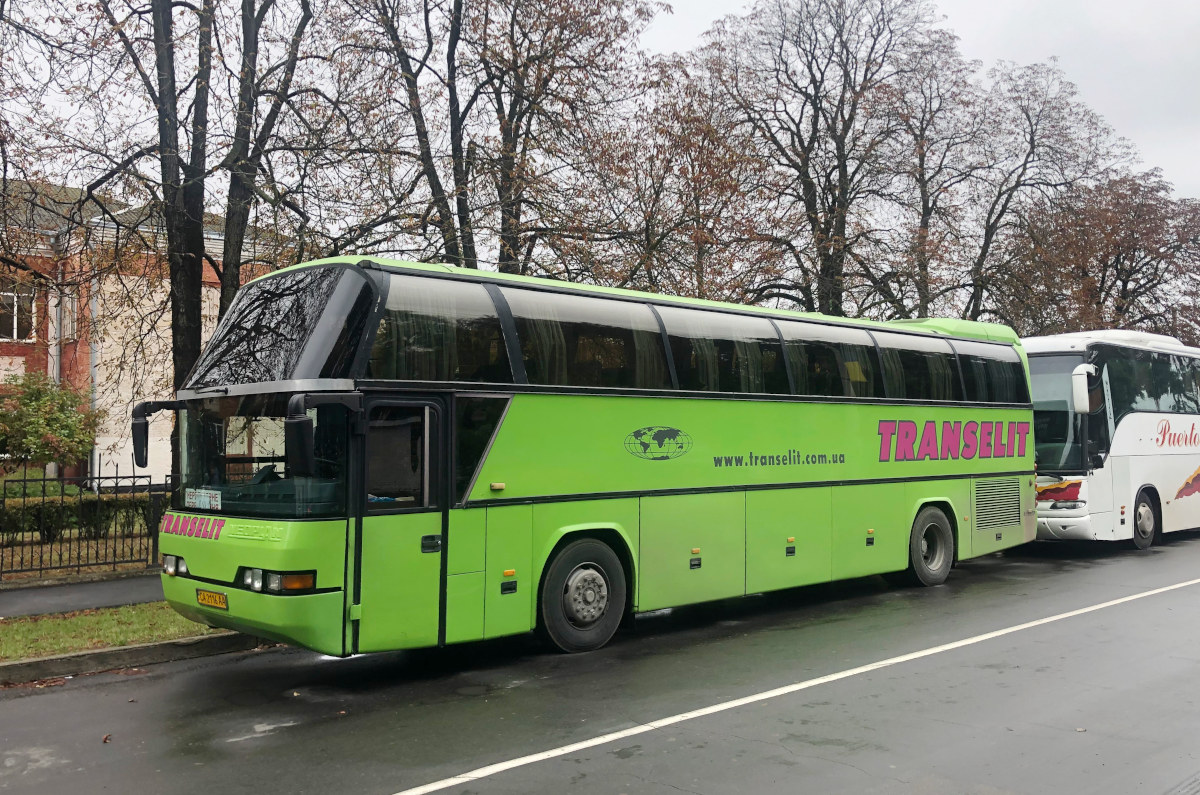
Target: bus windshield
1057 429
296 324
233 459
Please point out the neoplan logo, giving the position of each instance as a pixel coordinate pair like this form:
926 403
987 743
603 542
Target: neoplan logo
658 443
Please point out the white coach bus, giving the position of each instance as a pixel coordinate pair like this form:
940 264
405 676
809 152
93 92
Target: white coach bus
1117 434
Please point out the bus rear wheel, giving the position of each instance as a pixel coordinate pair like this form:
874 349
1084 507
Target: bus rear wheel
1145 520
930 548
582 599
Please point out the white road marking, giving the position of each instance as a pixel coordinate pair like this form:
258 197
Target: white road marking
766 695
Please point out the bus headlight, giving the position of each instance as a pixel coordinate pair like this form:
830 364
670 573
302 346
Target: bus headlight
170 565
278 582
1068 505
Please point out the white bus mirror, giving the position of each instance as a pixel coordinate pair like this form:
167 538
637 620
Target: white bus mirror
1079 388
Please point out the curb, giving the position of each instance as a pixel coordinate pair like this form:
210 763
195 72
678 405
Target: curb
87 662
27 583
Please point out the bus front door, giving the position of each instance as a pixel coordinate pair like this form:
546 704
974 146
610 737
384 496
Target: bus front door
397 600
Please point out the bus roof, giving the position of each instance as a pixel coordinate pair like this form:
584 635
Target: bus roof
970 329
1080 340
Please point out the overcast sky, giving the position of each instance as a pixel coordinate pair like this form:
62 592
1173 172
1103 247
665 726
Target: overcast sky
1136 62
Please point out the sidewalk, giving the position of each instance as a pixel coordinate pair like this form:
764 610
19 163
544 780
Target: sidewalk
65 598
69 597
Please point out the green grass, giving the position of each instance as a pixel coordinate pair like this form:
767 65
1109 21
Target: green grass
103 628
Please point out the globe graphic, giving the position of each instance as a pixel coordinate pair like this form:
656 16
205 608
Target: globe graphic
658 443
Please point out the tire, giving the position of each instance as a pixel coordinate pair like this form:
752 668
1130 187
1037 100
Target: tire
1146 524
930 548
582 599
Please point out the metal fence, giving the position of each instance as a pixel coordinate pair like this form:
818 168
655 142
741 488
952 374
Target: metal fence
59 525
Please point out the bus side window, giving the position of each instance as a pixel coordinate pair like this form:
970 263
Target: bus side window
576 340
919 368
832 360
719 352
992 373
397 449
439 330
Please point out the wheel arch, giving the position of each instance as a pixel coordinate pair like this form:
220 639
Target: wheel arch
946 506
611 533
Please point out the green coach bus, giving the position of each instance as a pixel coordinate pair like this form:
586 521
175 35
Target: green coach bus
383 455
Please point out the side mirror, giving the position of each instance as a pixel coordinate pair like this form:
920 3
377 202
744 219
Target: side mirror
299 440
1079 388
141 441
141 425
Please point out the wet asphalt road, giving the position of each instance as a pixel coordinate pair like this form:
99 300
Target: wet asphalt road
1103 702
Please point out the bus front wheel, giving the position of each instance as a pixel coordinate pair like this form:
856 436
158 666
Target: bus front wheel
1145 520
582 599
930 548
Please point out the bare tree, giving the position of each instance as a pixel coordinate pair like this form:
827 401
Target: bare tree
497 92
940 119
811 78
1040 140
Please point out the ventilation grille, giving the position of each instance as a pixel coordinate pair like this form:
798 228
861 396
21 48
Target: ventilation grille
997 503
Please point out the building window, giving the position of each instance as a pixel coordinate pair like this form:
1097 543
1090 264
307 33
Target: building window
16 312
70 311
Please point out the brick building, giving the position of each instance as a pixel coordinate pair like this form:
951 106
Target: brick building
84 298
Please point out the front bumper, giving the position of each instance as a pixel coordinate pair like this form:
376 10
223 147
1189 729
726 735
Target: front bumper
315 621
1068 526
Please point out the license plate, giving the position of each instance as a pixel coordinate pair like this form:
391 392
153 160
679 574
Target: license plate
212 599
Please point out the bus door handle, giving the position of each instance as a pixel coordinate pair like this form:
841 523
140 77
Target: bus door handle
431 543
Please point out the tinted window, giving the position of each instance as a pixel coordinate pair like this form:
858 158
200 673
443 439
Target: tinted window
580 341
397 450
439 330
475 421
827 360
1143 380
919 368
991 373
305 323
1189 379
716 352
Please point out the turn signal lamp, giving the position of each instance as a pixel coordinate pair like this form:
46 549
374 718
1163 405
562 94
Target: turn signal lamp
306 581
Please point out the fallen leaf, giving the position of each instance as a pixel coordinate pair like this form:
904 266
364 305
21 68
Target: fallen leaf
107 738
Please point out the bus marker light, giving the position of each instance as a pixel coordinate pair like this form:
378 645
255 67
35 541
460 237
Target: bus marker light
510 572
695 550
497 486
791 539
870 532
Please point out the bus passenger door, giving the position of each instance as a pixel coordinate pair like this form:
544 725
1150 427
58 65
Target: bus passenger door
399 543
